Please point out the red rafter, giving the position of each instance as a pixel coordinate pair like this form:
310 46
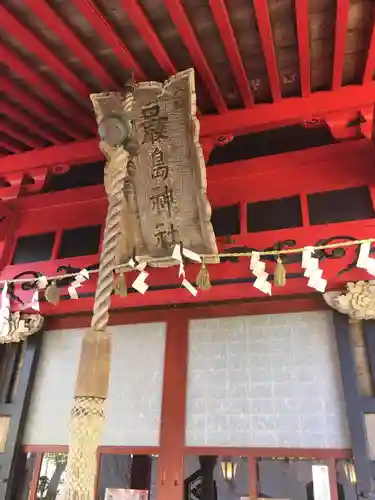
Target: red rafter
11 130
302 20
35 106
145 29
52 94
13 149
49 17
265 33
342 13
18 115
13 27
221 16
370 63
106 32
179 18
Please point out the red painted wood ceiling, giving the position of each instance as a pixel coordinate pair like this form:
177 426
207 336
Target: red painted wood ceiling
253 59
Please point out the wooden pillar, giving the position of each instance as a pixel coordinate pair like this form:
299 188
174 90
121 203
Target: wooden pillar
355 406
20 364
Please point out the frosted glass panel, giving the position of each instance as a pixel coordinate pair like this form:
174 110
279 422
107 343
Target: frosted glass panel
133 407
269 380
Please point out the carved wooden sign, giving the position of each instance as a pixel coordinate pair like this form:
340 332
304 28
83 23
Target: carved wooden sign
165 191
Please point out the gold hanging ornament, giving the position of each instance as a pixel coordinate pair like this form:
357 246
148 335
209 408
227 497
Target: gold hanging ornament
119 286
52 294
203 278
279 277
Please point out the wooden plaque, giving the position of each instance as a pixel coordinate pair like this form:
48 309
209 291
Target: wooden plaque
165 190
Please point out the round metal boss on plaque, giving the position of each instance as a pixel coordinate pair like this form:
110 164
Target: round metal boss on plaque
114 130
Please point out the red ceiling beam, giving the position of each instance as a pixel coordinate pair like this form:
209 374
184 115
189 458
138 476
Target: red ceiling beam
266 36
106 32
13 131
260 117
49 17
342 14
34 80
220 13
37 107
370 62
19 116
186 32
32 44
303 34
145 29
288 111
65 154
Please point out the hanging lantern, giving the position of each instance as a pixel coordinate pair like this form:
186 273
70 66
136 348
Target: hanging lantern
229 469
350 472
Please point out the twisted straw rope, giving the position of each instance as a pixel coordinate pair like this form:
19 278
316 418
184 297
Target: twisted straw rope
117 173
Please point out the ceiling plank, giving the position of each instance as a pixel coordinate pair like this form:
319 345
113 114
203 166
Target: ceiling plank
32 44
106 32
186 32
49 17
36 107
342 14
17 115
220 13
370 62
303 35
266 36
34 80
260 117
145 29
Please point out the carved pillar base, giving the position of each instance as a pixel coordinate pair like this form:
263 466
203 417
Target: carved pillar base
18 326
358 302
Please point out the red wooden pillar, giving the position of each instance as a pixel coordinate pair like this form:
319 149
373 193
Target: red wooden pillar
173 416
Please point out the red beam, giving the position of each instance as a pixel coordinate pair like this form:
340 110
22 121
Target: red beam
342 14
266 36
222 20
12 130
18 115
33 79
260 117
106 32
65 154
303 34
370 63
288 111
143 25
186 32
49 17
37 107
32 44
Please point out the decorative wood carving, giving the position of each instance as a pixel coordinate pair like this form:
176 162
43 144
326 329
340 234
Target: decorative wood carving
165 189
358 302
17 326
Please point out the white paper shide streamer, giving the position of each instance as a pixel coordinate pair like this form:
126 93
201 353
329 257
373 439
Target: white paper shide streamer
179 253
364 260
311 266
259 270
81 277
139 283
